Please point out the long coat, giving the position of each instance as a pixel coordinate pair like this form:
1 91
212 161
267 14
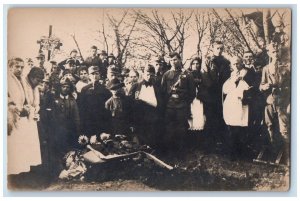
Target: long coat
94 117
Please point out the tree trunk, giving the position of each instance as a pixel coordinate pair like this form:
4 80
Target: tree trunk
266 24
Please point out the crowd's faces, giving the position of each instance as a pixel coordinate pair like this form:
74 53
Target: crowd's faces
45 86
111 60
248 58
148 76
54 68
30 64
195 65
111 75
175 62
102 57
35 81
236 64
93 52
17 68
73 55
83 75
133 78
158 67
69 76
71 67
95 76
218 49
41 61
273 54
65 89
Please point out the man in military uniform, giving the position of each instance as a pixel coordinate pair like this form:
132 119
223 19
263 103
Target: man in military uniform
178 89
218 71
94 117
275 84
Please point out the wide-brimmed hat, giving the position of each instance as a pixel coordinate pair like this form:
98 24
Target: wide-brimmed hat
114 84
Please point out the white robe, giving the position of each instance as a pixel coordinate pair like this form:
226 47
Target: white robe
23 142
234 112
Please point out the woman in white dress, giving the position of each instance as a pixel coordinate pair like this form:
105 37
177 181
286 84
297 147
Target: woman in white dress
23 106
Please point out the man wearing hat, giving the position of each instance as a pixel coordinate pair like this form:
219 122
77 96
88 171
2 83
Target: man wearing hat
111 59
121 108
72 58
112 73
94 116
65 125
104 63
147 97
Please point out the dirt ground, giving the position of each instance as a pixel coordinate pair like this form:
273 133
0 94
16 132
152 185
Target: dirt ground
195 170
198 173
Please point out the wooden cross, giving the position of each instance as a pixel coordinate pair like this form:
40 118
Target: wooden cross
48 43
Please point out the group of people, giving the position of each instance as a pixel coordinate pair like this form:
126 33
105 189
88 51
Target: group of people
229 101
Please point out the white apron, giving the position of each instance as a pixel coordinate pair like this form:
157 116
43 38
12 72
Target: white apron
198 118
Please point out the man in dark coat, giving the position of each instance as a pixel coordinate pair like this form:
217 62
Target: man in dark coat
148 103
218 71
179 91
94 117
65 125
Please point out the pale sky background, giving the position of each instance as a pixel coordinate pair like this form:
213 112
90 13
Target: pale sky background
27 25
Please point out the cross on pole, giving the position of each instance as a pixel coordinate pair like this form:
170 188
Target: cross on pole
49 43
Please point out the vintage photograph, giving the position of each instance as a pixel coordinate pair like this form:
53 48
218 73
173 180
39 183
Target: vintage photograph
148 99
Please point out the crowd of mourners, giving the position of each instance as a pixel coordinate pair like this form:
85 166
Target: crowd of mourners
227 101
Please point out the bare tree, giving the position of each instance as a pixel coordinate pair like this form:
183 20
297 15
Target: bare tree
164 35
202 22
123 32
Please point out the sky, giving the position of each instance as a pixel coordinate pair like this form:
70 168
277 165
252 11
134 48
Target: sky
27 25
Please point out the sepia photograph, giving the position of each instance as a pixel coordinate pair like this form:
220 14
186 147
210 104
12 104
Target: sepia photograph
148 99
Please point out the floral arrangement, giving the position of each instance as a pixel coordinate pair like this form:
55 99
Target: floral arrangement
83 140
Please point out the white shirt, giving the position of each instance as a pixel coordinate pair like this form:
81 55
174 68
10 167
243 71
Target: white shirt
147 95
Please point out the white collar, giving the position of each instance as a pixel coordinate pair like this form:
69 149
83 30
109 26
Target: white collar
64 97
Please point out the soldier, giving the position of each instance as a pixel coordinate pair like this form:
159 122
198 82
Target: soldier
178 89
218 71
94 117
275 84
65 125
